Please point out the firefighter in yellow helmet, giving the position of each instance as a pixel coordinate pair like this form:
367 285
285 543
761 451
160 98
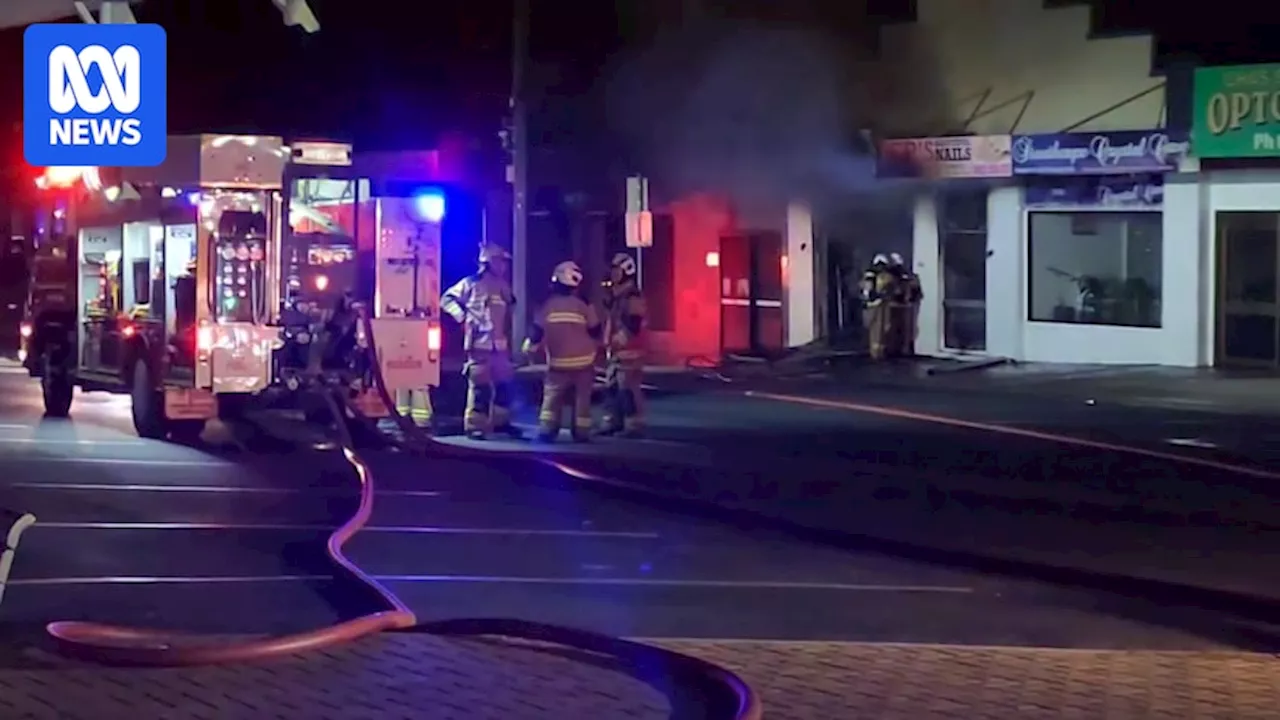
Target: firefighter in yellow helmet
907 300
568 328
625 335
482 303
878 287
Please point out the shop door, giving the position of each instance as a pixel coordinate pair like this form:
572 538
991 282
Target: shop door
1248 304
962 225
751 294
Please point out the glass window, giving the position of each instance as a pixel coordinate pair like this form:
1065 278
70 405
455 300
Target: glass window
1096 268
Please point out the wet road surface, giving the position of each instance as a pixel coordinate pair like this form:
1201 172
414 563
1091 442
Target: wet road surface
139 532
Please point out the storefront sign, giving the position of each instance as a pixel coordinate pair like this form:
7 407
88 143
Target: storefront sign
1105 153
1237 112
979 156
1143 191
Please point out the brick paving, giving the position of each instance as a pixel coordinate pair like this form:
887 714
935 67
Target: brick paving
421 676
856 681
390 677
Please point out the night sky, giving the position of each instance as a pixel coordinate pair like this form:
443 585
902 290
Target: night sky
395 77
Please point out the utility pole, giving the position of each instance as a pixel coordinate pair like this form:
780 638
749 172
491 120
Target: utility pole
518 172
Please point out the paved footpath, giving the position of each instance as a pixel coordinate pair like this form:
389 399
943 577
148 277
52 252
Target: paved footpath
419 676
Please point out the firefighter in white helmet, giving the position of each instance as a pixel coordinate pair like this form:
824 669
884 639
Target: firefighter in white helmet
482 303
568 329
625 335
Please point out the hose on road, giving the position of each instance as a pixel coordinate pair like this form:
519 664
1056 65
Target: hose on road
121 645
746 702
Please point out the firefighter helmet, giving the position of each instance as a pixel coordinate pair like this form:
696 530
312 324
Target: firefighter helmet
625 263
568 274
489 253
880 259
895 259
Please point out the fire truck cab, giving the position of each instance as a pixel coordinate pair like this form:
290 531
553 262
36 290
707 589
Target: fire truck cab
234 269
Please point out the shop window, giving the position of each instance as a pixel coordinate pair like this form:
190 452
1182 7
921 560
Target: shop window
1095 268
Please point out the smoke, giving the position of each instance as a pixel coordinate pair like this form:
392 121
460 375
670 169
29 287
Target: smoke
757 112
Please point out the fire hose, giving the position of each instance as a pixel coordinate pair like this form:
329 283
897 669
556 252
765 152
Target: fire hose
122 645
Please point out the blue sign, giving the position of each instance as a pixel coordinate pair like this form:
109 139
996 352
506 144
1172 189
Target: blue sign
94 95
1107 153
1137 191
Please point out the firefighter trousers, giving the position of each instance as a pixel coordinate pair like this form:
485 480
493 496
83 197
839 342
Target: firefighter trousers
877 319
415 405
908 329
625 409
560 388
490 377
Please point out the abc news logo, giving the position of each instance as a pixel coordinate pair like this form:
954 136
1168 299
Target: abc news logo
69 92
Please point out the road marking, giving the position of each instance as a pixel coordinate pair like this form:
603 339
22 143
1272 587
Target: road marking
655 582
80 442
902 414
164 580
116 461
388 529
487 580
219 489
1192 443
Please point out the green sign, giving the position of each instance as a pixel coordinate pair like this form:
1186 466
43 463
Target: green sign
1237 112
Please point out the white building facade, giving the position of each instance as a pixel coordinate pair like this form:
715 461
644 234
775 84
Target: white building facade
1062 223
1236 141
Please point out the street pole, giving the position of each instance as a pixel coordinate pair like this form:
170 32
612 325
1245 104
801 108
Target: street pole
519 166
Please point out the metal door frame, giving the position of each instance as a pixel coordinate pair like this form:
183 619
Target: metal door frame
1223 307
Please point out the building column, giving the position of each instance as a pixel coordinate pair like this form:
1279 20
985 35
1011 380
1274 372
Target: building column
926 256
798 276
1006 273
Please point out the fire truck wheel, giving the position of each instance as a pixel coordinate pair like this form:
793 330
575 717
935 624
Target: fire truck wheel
57 390
147 405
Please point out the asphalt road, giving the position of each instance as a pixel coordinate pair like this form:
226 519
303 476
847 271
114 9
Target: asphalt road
145 533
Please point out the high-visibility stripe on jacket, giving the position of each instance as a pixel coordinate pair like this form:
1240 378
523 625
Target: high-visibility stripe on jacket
482 303
568 327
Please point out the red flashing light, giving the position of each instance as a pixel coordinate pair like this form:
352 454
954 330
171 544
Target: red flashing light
128 331
433 338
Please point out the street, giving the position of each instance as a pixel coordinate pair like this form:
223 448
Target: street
231 542
138 532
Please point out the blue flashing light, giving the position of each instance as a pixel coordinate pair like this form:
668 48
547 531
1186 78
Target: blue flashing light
429 205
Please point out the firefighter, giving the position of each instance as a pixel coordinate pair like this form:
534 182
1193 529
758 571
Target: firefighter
482 303
907 304
568 329
625 334
877 292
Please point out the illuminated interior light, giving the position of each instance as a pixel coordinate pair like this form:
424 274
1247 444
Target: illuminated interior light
713 259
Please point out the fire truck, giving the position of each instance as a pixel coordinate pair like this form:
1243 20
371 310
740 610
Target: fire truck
234 272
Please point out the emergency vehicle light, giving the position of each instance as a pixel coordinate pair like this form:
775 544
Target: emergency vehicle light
25 330
433 338
322 282
429 205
